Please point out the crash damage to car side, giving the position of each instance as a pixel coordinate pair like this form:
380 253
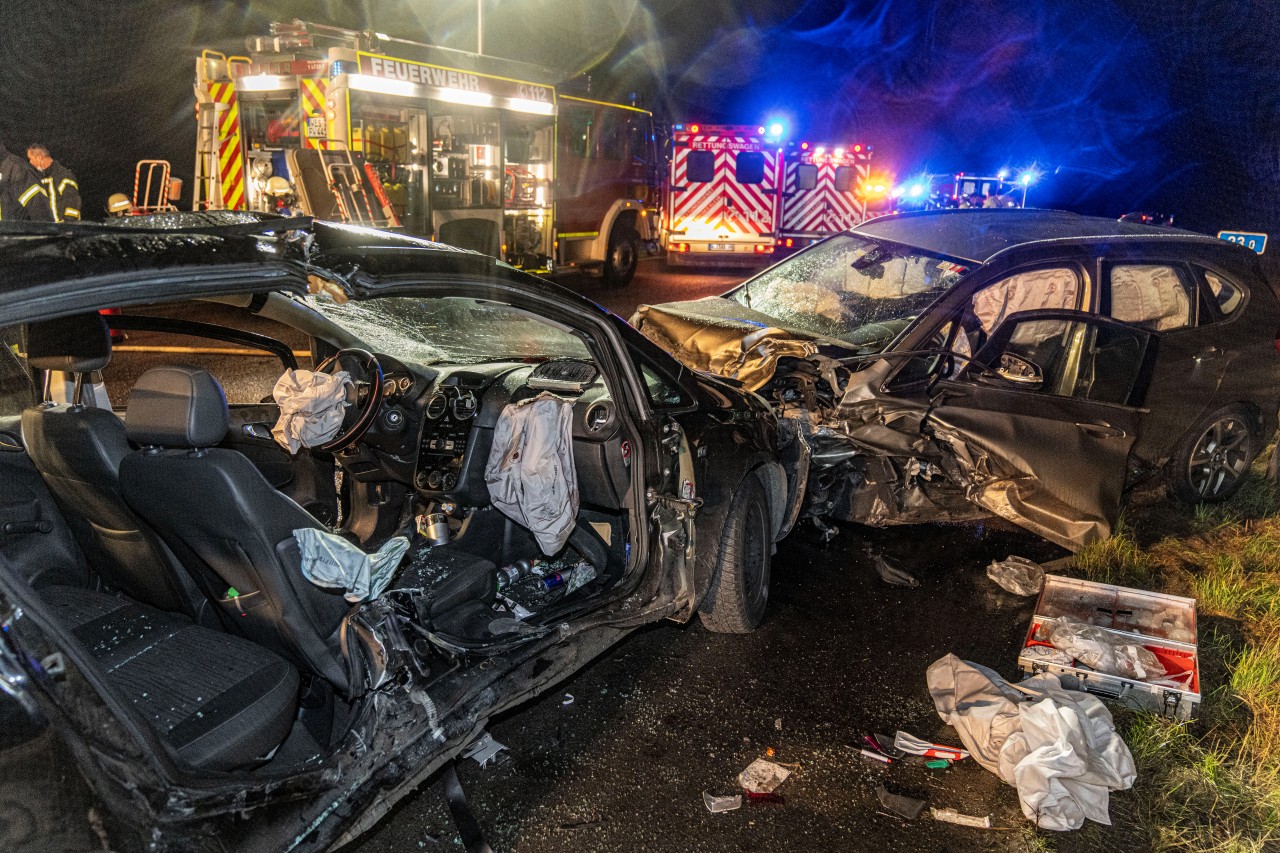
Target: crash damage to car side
896 376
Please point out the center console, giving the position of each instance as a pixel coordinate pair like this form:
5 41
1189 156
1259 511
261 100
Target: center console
446 431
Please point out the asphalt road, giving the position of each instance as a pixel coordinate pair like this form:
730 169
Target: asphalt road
618 757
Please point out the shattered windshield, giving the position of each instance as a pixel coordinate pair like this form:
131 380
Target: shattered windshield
850 288
451 329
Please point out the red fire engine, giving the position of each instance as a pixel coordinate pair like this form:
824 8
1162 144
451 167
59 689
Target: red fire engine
826 191
723 195
447 144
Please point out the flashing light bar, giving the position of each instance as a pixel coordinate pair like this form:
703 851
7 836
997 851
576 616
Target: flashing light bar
263 83
381 85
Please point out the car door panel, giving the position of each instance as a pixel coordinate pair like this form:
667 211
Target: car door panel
1048 458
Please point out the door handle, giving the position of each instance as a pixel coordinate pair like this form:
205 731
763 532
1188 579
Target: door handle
1208 354
1101 430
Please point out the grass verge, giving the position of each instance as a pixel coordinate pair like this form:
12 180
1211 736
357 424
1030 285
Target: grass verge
1212 784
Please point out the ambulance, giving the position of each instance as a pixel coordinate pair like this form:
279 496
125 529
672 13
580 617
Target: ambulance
723 196
826 190
463 148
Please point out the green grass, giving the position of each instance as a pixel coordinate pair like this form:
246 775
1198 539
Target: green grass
1211 785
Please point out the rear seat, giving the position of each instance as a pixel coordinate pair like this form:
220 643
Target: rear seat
221 702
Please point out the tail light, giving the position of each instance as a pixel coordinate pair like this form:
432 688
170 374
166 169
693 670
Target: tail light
679 247
789 243
762 249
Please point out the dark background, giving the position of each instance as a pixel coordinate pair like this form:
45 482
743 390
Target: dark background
1124 105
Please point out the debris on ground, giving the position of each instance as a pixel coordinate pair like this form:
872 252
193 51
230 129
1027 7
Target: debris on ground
875 756
938 764
762 777
884 744
567 700
912 745
1058 747
953 816
1017 575
889 571
907 807
484 750
717 804
763 799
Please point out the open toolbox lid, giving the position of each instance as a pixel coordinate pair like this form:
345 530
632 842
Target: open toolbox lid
1117 608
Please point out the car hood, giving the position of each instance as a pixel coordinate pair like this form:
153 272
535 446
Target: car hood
724 337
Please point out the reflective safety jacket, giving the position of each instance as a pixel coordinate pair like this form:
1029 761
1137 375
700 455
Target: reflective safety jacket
61 192
22 196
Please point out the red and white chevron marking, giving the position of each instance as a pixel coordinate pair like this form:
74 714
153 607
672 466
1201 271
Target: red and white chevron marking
723 206
822 210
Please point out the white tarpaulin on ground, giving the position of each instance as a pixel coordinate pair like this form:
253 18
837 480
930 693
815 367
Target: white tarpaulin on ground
1058 747
530 471
311 407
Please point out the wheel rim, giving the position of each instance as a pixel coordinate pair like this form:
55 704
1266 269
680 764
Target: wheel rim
624 257
1219 458
755 562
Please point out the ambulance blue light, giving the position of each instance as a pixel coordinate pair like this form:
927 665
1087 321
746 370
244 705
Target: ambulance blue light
915 190
776 128
1027 178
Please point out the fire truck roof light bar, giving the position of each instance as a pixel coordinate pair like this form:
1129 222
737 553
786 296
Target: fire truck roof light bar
264 83
402 88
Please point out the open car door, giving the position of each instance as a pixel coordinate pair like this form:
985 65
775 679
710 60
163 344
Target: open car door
1040 424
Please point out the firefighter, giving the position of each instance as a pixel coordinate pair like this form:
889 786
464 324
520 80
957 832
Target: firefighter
21 194
60 187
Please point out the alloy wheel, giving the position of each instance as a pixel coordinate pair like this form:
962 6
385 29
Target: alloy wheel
1220 457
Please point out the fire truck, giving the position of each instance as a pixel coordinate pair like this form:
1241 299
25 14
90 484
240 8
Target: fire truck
826 190
468 149
723 195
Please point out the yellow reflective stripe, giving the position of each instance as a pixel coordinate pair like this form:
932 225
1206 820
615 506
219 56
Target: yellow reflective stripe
62 187
31 191
72 213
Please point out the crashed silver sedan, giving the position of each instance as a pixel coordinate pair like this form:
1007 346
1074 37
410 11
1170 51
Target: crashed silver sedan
1031 364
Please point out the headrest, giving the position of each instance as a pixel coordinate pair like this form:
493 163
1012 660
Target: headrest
176 406
80 343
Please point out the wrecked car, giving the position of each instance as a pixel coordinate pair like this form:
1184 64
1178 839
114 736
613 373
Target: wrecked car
1031 364
199 652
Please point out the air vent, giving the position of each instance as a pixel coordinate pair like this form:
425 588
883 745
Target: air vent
437 405
565 374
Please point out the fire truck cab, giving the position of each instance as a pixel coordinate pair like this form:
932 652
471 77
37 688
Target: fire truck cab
441 143
723 196
825 191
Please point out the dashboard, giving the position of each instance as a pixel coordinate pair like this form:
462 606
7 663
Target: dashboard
436 426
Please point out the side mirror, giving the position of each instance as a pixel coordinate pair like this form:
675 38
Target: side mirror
1020 371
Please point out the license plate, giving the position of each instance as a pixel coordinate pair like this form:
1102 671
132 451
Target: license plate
720 247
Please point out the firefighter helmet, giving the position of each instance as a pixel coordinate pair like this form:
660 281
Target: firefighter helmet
278 187
118 204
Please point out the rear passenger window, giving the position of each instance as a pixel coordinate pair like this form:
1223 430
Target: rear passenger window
844 179
806 176
750 167
700 167
1151 296
1227 295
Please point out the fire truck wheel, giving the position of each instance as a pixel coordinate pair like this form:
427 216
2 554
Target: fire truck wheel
623 257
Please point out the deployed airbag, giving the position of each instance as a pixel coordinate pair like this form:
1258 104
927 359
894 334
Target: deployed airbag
530 472
332 562
311 407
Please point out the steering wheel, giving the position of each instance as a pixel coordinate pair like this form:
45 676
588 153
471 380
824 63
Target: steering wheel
368 380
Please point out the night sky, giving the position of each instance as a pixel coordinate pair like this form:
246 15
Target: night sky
1125 105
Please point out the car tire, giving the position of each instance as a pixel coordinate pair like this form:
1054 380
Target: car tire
739 592
1210 462
622 258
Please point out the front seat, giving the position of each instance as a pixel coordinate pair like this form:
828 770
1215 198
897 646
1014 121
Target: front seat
226 522
77 449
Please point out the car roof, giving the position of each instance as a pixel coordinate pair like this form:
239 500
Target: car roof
979 234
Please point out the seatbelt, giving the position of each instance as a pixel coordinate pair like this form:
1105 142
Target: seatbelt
463 818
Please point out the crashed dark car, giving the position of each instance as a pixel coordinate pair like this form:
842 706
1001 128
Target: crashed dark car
172 681
1030 364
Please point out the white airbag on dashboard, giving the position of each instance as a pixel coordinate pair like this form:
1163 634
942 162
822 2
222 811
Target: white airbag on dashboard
311 407
530 471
